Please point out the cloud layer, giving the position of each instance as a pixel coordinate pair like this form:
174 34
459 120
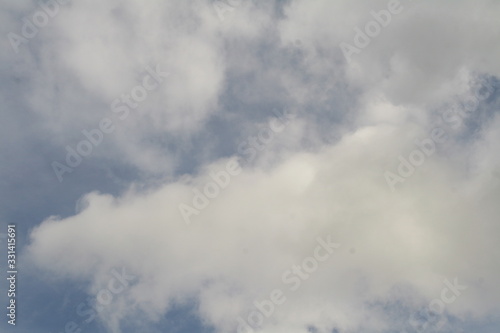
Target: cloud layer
232 67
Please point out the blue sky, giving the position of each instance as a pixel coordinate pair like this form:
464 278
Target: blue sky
241 166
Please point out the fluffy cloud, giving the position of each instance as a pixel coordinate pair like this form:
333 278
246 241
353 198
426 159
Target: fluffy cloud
236 250
323 175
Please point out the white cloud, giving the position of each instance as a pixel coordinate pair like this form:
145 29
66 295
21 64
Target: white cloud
237 248
323 175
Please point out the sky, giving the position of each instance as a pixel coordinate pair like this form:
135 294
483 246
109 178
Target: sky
238 166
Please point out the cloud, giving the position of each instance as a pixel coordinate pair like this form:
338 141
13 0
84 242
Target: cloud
323 175
266 220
